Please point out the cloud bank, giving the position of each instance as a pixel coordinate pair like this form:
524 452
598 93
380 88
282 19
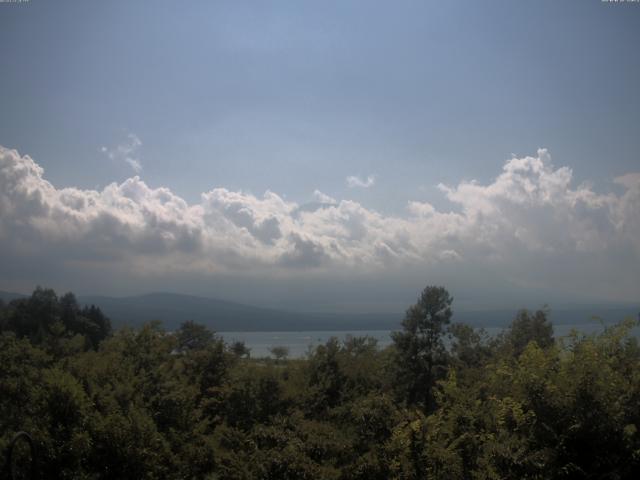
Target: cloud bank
529 225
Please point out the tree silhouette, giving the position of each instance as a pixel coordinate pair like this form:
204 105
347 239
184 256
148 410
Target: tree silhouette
420 350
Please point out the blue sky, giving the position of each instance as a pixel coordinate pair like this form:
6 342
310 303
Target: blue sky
294 97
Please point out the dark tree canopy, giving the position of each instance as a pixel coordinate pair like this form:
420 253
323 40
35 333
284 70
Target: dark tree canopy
240 349
421 354
150 404
194 336
528 327
43 317
279 351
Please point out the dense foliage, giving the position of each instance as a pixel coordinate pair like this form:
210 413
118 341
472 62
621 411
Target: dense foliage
444 401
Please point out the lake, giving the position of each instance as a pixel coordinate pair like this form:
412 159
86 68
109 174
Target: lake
300 342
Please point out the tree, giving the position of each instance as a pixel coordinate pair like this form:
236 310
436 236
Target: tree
4 314
97 325
239 349
69 311
325 378
527 327
469 347
88 321
420 351
33 317
194 336
280 352
46 319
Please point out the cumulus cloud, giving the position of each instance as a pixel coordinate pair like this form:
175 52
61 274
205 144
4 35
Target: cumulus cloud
529 224
126 152
353 181
323 198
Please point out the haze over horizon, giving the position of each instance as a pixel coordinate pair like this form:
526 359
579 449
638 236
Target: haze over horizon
323 157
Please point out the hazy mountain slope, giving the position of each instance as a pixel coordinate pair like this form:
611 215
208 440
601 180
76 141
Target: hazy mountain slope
173 309
220 315
8 296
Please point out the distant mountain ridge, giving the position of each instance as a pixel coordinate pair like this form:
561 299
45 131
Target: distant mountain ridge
8 296
223 316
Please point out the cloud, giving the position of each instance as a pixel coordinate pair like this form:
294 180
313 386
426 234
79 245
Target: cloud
323 198
305 253
354 181
260 218
529 225
126 152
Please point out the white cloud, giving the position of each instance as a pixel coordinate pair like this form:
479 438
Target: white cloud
354 181
126 152
324 198
529 225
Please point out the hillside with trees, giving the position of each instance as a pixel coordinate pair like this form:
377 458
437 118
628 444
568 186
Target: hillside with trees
444 401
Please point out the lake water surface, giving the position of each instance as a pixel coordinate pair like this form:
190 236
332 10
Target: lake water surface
299 343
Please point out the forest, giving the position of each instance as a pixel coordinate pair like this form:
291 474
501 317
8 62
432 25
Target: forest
444 401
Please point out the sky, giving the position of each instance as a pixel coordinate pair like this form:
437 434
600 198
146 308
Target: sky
334 156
